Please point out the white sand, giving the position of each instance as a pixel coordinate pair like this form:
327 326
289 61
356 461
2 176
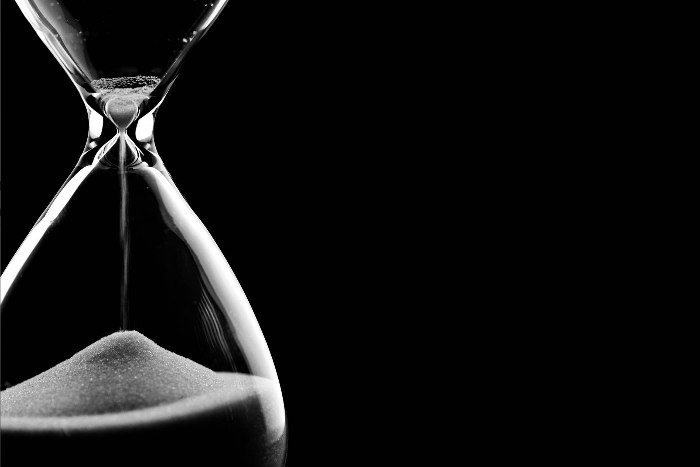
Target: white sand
123 96
126 379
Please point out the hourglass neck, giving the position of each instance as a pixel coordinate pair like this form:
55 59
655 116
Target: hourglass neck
124 106
124 130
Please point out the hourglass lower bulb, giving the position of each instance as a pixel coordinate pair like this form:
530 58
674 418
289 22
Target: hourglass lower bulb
126 338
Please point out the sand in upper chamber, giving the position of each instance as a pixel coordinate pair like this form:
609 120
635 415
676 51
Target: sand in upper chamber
121 97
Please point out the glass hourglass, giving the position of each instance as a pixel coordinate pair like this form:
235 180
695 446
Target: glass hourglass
125 336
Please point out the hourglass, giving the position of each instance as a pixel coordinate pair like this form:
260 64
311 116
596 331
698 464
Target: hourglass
125 336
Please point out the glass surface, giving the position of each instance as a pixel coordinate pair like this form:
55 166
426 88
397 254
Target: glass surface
123 328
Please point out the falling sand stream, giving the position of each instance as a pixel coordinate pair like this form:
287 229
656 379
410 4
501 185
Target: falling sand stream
121 99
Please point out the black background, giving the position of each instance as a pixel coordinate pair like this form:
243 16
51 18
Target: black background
284 133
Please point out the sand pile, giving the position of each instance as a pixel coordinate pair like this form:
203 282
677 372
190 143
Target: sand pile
123 371
126 391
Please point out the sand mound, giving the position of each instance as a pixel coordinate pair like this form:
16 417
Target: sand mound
121 372
126 391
